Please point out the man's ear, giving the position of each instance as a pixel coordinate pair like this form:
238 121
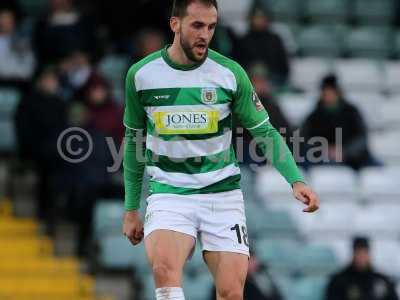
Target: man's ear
174 23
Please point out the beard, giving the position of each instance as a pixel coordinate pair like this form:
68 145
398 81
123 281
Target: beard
189 51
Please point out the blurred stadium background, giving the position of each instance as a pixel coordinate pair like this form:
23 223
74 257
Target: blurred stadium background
60 224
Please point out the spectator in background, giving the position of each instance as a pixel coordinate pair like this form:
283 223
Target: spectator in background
263 89
359 281
334 112
259 283
124 19
75 71
40 118
261 83
104 114
226 42
89 180
148 41
16 58
11 5
261 44
62 31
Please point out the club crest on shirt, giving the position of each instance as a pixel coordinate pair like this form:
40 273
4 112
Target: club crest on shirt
257 102
209 96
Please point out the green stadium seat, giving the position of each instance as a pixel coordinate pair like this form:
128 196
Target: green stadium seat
279 255
284 284
199 287
247 183
114 68
372 42
309 288
117 253
322 40
255 215
293 27
269 223
147 293
108 214
108 217
377 12
283 10
9 99
316 260
396 46
327 10
7 137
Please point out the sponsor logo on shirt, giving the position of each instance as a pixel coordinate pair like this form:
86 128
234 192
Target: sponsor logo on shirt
209 96
186 122
162 97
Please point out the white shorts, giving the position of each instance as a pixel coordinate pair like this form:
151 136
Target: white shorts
218 219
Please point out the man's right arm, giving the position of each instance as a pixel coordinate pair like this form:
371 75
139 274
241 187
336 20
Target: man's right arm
133 169
134 121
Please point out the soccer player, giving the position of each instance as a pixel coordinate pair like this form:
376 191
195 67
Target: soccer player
183 97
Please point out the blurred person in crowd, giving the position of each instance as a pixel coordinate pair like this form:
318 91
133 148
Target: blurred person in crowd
16 58
75 71
40 118
226 42
334 112
11 5
261 44
262 86
259 283
148 41
261 82
104 112
63 30
359 280
89 180
124 19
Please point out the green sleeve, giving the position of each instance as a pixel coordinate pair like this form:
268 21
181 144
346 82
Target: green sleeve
134 115
134 120
275 149
246 105
253 116
133 168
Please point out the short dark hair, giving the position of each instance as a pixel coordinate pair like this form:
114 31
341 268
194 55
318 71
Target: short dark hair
330 81
179 7
360 242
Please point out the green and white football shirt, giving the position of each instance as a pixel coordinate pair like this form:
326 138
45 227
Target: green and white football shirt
187 114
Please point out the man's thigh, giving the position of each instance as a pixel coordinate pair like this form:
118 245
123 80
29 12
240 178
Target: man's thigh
228 269
223 223
167 252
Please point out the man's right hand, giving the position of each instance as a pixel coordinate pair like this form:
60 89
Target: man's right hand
133 227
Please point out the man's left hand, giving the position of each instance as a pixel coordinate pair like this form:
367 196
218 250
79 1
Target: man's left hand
305 194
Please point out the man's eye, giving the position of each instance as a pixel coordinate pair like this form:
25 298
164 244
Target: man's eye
197 26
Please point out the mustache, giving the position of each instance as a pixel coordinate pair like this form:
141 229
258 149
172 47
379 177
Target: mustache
200 43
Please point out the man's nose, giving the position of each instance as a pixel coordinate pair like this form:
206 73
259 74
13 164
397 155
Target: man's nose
205 34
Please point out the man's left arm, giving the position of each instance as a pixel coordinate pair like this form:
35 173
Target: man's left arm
253 116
